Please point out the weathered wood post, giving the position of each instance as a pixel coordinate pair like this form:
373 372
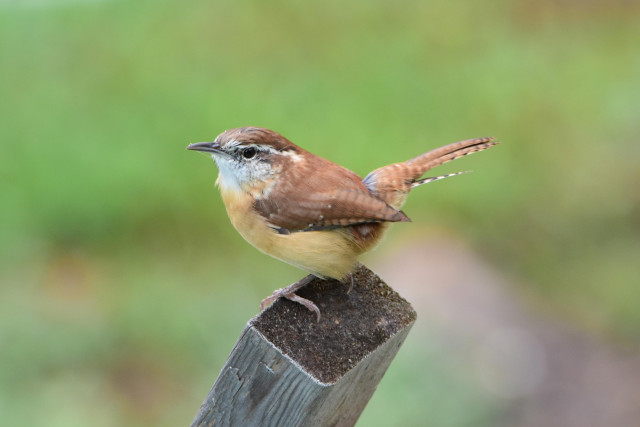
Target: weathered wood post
289 370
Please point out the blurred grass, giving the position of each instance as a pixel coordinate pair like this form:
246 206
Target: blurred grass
123 286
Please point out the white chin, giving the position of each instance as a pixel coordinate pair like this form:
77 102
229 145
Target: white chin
227 178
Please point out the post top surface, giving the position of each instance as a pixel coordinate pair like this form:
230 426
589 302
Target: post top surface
352 325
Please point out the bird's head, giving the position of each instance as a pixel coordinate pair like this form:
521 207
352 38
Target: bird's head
249 156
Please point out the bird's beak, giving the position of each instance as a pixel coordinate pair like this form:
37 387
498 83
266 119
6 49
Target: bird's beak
207 147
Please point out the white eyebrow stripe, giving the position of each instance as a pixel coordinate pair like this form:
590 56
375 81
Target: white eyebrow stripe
233 143
267 149
263 148
293 156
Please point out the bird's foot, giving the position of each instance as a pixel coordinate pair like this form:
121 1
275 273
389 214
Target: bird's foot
289 293
307 303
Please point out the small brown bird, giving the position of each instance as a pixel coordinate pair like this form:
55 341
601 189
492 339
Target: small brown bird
310 212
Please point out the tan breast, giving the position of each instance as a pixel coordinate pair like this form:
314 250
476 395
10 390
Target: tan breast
327 253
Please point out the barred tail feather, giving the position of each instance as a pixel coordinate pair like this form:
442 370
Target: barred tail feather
436 178
442 155
392 183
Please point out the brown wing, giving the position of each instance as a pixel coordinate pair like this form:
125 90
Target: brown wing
321 195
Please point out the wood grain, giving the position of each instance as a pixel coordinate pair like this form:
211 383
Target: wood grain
288 370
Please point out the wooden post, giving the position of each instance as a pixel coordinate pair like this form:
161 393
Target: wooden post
289 370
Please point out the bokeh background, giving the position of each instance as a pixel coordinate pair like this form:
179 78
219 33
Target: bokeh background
123 287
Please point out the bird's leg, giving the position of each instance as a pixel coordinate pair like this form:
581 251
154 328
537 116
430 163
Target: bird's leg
350 284
289 293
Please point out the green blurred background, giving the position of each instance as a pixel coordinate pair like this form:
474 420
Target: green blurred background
123 287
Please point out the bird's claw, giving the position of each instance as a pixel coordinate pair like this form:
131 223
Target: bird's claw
290 296
307 303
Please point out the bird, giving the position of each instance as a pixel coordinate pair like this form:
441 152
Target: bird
308 211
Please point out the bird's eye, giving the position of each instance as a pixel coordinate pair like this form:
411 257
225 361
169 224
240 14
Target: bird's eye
249 152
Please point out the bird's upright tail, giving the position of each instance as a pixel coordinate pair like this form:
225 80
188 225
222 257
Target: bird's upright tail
393 183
